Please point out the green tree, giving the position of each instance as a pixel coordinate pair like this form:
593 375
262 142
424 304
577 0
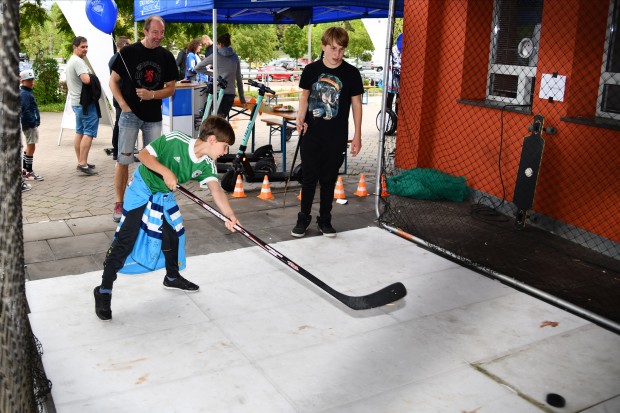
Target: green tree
46 87
32 18
360 46
255 42
48 41
295 41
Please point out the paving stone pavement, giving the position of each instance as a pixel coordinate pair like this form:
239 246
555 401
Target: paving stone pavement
66 193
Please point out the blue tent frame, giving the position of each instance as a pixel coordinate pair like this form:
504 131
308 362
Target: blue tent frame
264 11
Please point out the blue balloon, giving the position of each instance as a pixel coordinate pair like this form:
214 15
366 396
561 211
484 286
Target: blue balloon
399 43
102 14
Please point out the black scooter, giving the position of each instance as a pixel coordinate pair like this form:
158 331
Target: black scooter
264 166
261 153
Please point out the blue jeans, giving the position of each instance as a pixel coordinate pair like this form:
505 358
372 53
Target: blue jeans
86 124
128 127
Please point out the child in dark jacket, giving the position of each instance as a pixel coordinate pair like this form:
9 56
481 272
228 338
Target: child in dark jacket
30 121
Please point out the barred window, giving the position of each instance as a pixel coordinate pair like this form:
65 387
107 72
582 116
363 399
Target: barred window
608 102
515 37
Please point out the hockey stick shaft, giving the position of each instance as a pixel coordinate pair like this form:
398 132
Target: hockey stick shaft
379 298
288 178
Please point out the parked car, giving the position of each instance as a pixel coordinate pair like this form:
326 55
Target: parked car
361 65
373 76
270 73
296 64
246 71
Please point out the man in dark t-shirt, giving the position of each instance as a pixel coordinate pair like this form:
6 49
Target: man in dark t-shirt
143 74
331 87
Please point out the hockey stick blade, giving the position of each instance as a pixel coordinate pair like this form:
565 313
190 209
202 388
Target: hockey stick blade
379 298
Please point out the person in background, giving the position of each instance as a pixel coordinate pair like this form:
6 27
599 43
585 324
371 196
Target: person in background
121 42
181 61
143 74
229 69
330 88
30 119
172 159
193 48
86 119
394 73
207 43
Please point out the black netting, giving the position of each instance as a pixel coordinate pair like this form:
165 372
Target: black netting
473 76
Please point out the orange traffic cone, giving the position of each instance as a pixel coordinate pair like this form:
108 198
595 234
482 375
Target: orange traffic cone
384 191
239 192
299 196
361 187
265 191
339 190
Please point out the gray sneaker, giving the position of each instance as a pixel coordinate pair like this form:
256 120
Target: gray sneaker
86 170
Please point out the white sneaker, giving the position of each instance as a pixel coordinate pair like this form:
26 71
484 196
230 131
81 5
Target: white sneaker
31 176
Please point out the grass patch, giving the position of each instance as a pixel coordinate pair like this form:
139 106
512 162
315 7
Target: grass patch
52 107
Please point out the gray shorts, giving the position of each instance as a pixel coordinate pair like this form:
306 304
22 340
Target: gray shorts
32 135
128 127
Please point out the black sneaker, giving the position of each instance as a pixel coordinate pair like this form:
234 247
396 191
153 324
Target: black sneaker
303 221
102 305
325 226
180 283
86 170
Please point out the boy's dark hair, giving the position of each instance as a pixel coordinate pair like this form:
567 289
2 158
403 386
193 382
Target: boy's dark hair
336 35
78 40
224 40
218 126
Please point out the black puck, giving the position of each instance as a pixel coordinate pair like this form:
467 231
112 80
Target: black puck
555 400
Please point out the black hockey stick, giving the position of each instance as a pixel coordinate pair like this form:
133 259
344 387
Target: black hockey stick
379 298
288 178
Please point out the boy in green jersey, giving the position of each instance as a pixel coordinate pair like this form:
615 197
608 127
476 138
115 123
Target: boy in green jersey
150 234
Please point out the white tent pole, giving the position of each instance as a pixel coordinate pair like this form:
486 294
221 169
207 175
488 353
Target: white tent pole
388 49
135 31
215 71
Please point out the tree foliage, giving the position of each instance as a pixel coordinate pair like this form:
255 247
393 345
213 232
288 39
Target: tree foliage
360 46
31 17
255 42
46 86
295 41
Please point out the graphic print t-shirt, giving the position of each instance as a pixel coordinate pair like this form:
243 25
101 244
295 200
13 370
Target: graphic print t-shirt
141 67
329 103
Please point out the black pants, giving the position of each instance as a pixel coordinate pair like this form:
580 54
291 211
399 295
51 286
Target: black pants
123 245
225 105
321 158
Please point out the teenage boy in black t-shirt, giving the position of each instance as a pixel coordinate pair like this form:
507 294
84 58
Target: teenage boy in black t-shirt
331 87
